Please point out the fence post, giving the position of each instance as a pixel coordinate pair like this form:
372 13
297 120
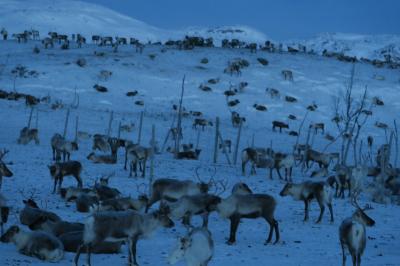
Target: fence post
216 140
237 143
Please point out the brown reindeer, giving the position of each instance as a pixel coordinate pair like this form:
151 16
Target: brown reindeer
4 171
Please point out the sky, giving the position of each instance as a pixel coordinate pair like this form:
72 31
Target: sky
278 19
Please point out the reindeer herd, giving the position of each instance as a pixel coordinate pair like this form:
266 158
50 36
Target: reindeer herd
115 219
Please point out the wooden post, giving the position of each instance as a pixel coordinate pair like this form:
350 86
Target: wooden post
223 148
179 127
140 128
76 128
153 139
66 124
235 153
168 133
109 123
119 130
216 140
30 118
197 139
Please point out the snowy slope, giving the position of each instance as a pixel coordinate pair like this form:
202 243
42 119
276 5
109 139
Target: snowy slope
69 16
158 82
367 46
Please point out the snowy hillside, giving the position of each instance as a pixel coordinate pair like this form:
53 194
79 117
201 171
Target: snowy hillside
361 46
68 17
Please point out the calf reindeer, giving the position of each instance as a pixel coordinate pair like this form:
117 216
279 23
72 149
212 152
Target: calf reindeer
106 158
258 157
189 155
72 240
61 146
307 191
43 223
4 171
352 234
238 206
59 170
31 213
196 248
280 125
122 204
35 244
139 155
26 135
127 226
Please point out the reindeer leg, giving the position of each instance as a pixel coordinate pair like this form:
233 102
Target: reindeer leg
55 185
144 169
343 254
322 207
243 168
78 253
279 173
235 219
331 211
205 219
134 240
270 173
306 210
88 251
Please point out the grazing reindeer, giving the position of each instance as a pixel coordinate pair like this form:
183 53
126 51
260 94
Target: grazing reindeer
4 171
60 145
172 189
108 158
196 248
127 226
43 223
26 135
35 244
251 206
59 170
322 159
4 212
280 125
287 75
352 234
317 126
241 189
72 240
307 191
31 213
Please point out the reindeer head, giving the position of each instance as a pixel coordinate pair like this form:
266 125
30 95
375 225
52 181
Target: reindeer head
241 189
360 216
162 216
286 189
9 234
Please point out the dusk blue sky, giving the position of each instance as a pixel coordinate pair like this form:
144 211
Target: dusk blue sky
278 19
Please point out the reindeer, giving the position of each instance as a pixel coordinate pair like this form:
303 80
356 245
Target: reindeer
26 135
4 212
280 125
4 171
189 155
72 240
286 161
101 143
322 159
226 144
48 42
308 190
260 107
201 122
256 157
238 206
108 158
43 223
237 119
72 193
96 39
352 234
188 205
31 212
60 145
138 154
127 226
105 40
59 170
241 188
317 126
196 248
35 244
274 93
4 33
121 40
287 75
122 204
172 189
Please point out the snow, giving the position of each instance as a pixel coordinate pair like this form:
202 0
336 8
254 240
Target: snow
316 79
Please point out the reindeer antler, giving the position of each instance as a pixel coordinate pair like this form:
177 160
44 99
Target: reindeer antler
3 153
224 184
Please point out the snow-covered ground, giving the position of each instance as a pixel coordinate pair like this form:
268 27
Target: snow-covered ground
158 81
316 79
